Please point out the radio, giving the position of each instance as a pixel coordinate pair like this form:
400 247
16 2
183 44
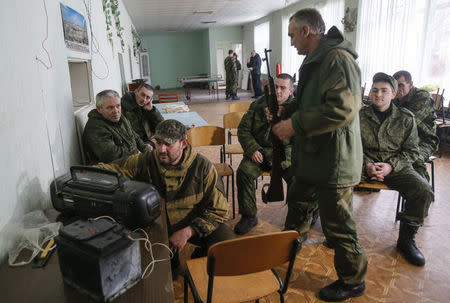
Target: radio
91 191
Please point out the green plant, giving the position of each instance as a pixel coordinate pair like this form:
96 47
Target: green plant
111 9
136 42
430 87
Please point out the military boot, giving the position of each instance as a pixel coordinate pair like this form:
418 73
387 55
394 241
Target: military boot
228 97
245 224
338 291
235 97
406 245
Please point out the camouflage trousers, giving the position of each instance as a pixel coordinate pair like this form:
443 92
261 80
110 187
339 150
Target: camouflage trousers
420 165
246 175
221 233
417 193
336 215
231 87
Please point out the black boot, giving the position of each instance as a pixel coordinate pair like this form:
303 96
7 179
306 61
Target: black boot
406 245
245 224
235 97
228 97
338 291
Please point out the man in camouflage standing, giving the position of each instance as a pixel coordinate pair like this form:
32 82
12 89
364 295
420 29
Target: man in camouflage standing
327 146
420 103
138 107
108 135
391 146
231 76
254 136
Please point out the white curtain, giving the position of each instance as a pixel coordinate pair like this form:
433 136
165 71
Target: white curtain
332 12
407 35
262 41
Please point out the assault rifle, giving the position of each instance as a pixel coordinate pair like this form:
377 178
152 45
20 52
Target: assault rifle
275 191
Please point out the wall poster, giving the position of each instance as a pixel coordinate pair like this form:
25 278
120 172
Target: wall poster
75 29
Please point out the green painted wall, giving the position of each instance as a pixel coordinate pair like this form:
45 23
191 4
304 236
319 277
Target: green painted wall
220 35
175 55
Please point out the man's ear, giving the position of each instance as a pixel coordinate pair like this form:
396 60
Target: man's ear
184 143
394 93
306 30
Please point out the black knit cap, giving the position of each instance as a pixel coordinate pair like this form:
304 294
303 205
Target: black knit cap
170 131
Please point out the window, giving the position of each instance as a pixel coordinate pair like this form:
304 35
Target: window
262 41
405 35
331 11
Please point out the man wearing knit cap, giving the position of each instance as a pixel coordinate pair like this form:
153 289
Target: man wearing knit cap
391 146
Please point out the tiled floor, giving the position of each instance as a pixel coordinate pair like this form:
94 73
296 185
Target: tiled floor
390 278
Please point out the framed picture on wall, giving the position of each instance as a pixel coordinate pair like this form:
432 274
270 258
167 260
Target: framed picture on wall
75 29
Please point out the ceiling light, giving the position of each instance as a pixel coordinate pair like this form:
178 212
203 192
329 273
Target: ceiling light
208 22
202 12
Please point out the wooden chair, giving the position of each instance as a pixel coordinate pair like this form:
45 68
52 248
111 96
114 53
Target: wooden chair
378 186
231 122
212 136
442 122
168 97
241 270
238 106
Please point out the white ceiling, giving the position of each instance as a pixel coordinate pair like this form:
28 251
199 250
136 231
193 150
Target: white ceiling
178 15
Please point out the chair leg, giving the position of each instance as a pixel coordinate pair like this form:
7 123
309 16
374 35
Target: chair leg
228 186
232 197
400 206
432 176
186 286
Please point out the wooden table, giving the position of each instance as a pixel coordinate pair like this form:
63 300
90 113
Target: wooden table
190 80
25 284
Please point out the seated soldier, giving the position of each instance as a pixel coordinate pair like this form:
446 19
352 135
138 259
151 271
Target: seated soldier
254 137
187 183
420 103
390 146
138 107
107 135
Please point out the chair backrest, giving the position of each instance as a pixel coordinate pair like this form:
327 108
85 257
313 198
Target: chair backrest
252 254
438 99
206 135
238 106
168 97
81 118
232 119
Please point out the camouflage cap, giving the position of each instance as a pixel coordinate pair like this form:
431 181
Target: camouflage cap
170 131
382 77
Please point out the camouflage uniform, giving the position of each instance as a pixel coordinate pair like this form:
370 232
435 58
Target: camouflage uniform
105 141
254 135
327 151
420 103
231 78
238 68
395 141
190 190
143 121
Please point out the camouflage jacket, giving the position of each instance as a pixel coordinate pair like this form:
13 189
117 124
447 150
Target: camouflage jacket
105 141
254 132
420 103
230 69
238 65
327 145
143 121
395 141
190 190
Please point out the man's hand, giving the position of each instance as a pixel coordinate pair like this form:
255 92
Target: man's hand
179 238
148 105
149 146
250 68
257 157
284 129
269 116
377 171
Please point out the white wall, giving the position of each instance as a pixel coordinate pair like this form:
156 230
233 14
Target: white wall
37 127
